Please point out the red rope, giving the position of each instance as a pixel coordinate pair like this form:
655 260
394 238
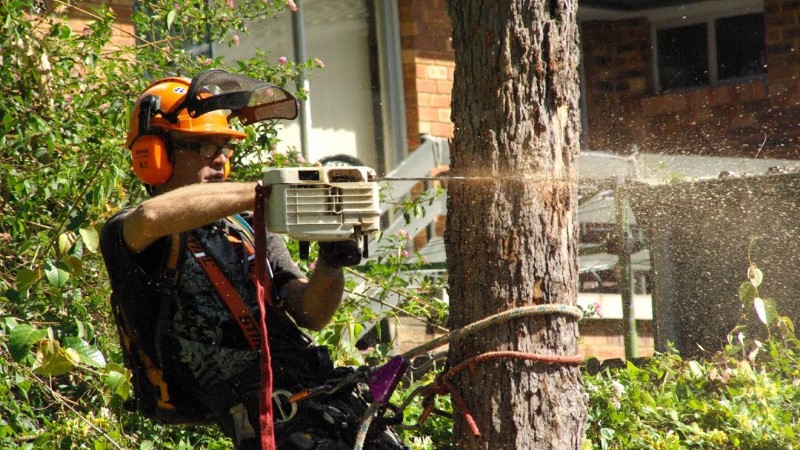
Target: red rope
443 384
455 394
509 354
264 289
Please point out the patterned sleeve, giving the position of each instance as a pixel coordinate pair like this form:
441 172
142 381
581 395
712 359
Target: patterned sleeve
283 268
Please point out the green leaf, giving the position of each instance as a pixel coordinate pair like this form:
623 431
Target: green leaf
73 356
765 309
788 322
55 274
116 382
61 31
747 292
74 264
84 329
10 322
90 239
754 275
25 279
64 242
22 339
52 360
88 354
695 369
170 19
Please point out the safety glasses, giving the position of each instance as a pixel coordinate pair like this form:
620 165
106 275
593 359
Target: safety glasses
209 151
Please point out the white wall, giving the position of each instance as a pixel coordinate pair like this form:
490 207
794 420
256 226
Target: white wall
340 94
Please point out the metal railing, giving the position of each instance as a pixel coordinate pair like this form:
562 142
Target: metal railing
432 154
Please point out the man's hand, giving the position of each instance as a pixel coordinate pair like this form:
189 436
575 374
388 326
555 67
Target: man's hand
340 253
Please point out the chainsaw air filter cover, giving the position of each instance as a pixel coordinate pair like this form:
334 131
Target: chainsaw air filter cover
322 203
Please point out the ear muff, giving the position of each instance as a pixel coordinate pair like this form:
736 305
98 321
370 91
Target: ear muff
227 168
151 159
149 149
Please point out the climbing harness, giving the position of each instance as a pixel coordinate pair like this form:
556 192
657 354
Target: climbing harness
383 380
230 297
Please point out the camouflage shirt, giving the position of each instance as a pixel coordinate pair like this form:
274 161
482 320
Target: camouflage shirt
203 340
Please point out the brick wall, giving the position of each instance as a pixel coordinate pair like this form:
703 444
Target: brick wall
782 23
603 338
600 338
617 75
122 32
428 65
725 120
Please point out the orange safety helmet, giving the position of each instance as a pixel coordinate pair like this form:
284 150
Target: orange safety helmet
161 109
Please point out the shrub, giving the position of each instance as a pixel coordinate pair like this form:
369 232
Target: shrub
745 396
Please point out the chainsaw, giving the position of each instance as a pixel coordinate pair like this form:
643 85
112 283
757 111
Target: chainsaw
323 204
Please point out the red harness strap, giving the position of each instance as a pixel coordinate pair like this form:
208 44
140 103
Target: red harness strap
251 255
244 318
264 288
254 331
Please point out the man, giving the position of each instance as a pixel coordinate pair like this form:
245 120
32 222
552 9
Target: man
184 160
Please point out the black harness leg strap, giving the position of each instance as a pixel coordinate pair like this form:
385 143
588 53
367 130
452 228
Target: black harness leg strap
170 275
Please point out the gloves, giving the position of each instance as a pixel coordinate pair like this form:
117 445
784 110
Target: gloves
340 253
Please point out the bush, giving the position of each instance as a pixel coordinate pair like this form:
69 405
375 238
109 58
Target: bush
746 396
64 170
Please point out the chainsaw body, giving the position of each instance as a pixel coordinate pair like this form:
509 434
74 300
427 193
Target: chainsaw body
323 204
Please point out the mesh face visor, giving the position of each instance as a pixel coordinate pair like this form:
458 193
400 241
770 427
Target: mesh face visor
247 99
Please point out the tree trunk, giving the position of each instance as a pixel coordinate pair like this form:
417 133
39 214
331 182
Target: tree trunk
512 221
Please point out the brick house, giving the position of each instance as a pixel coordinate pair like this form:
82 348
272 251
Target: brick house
740 89
739 92
712 78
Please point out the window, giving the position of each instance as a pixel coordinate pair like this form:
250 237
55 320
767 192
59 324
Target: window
740 46
685 59
682 59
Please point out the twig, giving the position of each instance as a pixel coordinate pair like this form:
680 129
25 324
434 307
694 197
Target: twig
68 403
761 147
404 293
398 309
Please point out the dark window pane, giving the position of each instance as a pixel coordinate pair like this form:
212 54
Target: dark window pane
740 46
682 57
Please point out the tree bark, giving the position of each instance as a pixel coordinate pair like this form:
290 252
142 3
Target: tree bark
511 236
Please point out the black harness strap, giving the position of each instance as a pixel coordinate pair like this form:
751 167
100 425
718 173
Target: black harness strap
170 274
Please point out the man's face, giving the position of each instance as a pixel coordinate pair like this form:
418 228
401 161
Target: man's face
199 160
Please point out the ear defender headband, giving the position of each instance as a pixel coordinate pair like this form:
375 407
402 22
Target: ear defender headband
151 162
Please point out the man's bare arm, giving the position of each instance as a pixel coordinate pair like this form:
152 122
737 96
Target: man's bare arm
183 209
312 302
